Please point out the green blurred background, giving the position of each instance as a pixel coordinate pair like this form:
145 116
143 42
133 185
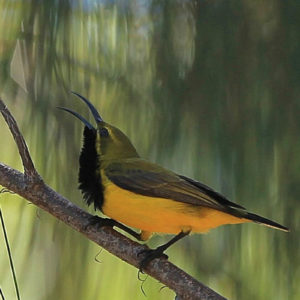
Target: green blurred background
209 89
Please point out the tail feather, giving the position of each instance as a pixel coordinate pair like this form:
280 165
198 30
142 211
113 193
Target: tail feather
260 220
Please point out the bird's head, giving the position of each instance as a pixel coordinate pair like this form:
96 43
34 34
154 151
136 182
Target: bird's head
109 142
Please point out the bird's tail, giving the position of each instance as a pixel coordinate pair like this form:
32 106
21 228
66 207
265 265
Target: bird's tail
260 220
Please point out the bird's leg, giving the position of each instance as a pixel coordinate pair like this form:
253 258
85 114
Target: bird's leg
100 222
159 251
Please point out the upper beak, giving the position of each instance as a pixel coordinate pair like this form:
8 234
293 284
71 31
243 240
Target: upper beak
92 108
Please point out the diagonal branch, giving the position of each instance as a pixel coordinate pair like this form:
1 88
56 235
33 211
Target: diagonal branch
30 186
21 144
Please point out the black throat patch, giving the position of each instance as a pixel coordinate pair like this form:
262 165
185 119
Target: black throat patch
89 170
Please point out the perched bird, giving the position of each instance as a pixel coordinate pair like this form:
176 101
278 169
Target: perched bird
143 195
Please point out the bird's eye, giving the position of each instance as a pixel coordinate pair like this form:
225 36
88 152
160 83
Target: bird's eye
104 132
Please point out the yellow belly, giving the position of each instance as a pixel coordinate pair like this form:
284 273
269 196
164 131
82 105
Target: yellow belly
161 215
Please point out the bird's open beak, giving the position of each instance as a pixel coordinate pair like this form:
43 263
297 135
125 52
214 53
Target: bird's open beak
92 108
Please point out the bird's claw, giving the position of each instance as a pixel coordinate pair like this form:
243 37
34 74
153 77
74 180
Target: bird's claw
149 255
100 222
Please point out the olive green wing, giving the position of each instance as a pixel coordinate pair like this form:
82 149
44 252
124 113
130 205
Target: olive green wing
148 179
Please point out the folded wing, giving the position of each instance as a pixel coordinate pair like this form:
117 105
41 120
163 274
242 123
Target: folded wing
142 177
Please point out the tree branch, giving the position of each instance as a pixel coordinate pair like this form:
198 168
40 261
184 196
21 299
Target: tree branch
29 168
31 186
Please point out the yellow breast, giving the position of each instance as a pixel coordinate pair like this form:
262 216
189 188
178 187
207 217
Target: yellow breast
160 215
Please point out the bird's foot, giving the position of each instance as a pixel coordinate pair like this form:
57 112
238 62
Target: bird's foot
151 254
99 222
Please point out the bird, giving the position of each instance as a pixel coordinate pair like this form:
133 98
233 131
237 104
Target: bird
135 193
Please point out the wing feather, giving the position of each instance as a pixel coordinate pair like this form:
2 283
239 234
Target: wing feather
142 177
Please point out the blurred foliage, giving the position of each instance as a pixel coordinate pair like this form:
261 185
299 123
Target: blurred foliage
209 89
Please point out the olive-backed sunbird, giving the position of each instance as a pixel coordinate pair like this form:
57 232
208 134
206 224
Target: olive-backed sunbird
137 193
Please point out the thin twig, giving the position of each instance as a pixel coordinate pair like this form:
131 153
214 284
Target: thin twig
9 256
1 294
29 168
36 191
